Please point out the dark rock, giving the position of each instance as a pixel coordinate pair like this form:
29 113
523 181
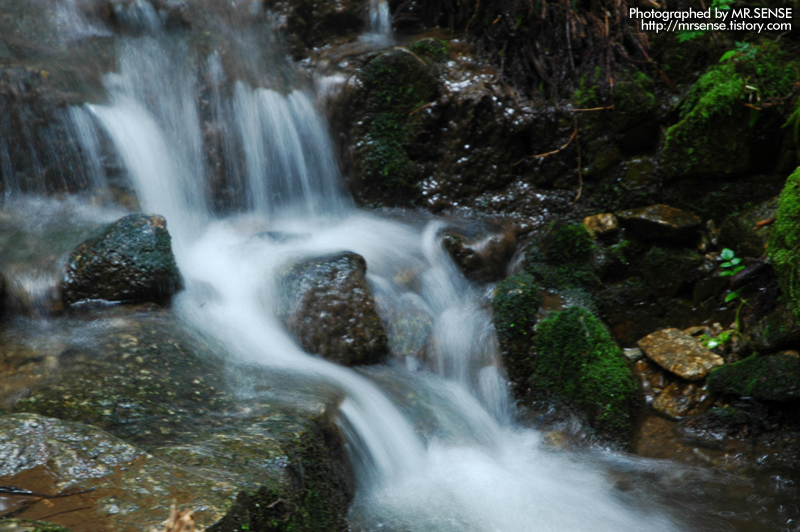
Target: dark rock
577 361
742 234
711 429
676 351
630 309
326 304
130 261
482 257
681 399
778 329
659 222
668 271
767 377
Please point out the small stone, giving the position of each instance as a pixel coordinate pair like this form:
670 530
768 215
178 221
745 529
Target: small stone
601 224
697 330
660 222
676 351
681 399
633 353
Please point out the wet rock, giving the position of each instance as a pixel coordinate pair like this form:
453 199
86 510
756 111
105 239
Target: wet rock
639 172
778 329
326 304
409 324
769 377
681 399
634 102
515 306
482 256
630 309
652 377
658 222
266 459
142 378
131 260
714 427
668 271
742 233
576 361
568 243
679 353
602 224
633 353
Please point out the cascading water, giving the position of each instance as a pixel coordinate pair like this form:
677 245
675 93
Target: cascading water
475 470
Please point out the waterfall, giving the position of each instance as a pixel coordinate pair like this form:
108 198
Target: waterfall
478 472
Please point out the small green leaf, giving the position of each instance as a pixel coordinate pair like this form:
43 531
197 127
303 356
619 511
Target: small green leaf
727 264
725 273
731 296
736 261
727 254
738 269
727 55
712 343
724 336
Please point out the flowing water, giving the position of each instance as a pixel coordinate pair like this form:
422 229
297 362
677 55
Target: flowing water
473 469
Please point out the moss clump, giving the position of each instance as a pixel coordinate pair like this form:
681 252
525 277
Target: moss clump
396 83
433 49
634 101
516 304
577 362
784 241
770 378
568 243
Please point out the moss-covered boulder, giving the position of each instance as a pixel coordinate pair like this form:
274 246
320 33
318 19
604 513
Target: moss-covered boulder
784 241
515 306
568 243
395 83
778 329
326 304
131 260
577 361
768 377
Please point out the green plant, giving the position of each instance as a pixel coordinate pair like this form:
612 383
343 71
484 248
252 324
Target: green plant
731 266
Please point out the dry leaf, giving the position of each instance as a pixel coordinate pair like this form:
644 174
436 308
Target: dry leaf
178 521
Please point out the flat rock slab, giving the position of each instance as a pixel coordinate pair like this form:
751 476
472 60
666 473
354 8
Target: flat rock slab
660 222
676 351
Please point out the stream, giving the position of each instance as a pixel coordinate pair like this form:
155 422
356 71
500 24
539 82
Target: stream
476 468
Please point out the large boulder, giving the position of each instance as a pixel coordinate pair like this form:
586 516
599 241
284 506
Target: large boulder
784 241
768 377
327 305
131 260
660 222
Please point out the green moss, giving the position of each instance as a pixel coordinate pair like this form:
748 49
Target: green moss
577 362
784 241
634 101
433 49
397 83
515 304
713 132
569 243
770 377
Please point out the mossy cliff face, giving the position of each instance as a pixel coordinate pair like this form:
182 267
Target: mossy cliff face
577 362
784 241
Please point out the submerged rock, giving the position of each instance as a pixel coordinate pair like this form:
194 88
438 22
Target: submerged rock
327 305
676 351
658 222
131 260
768 377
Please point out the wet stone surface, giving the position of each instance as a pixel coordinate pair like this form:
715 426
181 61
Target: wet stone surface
326 304
481 255
660 222
679 353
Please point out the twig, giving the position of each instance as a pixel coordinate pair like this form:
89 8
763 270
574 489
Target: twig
762 223
421 108
574 134
64 512
591 109
751 106
569 38
477 8
580 173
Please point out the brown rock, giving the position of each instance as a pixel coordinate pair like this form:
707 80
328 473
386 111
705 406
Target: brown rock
676 351
482 255
682 398
660 222
601 224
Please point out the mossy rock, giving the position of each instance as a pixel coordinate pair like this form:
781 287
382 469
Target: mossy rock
667 271
131 260
577 361
395 83
767 377
784 241
712 136
742 233
515 305
430 49
634 102
568 243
